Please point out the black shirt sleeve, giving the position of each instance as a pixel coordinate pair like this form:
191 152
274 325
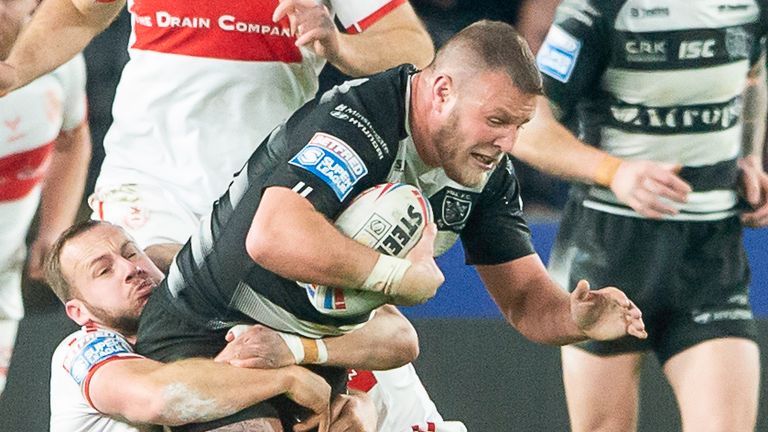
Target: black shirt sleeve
574 53
496 231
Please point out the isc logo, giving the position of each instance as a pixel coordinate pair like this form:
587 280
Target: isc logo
696 49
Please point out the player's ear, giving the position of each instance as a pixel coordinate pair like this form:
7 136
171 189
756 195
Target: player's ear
77 311
442 92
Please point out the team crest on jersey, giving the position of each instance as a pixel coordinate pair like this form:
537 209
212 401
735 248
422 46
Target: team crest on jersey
456 208
558 54
333 161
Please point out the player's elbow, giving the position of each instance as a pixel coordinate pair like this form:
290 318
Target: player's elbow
150 408
409 349
262 240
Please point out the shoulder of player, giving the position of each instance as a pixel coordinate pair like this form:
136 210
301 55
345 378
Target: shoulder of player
379 98
79 352
588 12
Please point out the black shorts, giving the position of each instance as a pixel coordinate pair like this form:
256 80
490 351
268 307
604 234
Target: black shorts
167 334
690 279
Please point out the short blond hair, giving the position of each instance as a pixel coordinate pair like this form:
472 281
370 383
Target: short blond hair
53 271
491 46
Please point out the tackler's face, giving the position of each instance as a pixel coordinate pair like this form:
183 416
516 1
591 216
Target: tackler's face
481 126
13 15
111 277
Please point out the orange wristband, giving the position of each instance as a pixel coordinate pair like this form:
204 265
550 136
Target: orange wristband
606 170
310 351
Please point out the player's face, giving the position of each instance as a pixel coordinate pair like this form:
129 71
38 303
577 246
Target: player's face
481 126
112 277
13 15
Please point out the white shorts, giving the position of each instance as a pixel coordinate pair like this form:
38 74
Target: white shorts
401 401
11 304
149 213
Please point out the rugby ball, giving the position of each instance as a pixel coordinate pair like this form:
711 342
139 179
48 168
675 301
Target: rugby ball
389 218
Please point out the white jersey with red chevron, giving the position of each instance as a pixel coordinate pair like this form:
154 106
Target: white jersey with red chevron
32 117
401 401
206 83
73 364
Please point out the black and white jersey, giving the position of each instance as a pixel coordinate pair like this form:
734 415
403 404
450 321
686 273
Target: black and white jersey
353 137
659 80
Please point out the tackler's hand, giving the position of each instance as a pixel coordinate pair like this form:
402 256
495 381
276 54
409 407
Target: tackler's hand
255 346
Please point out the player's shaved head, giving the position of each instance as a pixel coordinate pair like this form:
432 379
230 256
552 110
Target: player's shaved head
490 46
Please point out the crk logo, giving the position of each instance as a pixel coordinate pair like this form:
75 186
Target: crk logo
697 49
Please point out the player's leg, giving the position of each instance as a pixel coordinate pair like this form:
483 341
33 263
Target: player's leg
709 353
601 391
8 330
11 312
402 403
716 384
602 378
149 213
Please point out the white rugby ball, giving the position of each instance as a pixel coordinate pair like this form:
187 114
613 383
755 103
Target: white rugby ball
389 218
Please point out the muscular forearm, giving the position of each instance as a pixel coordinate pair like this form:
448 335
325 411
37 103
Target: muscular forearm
548 318
529 300
62 190
544 141
59 30
398 38
386 342
198 390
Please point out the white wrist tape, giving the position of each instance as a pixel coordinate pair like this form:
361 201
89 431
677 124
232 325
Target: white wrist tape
294 344
305 350
386 275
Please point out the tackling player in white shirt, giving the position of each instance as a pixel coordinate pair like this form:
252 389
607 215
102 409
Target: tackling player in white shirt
44 135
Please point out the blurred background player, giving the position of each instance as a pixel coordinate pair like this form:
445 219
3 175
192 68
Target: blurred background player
673 98
205 83
43 161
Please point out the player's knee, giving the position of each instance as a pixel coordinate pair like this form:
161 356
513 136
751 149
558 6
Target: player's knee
605 422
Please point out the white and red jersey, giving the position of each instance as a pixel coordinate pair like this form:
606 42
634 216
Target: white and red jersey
73 364
401 401
32 118
206 83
